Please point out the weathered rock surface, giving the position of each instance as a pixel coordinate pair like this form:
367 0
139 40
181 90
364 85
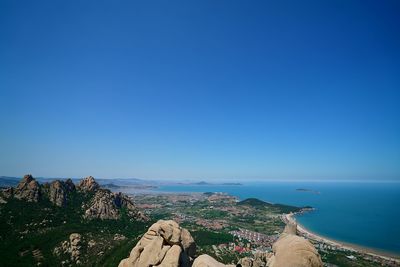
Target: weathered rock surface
246 262
88 184
260 260
103 204
208 261
107 205
166 244
28 189
162 245
75 248
58 191
71 247
294 251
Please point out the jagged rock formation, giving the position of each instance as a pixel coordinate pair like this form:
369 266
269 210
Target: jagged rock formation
102 203
165 244
88 184
107 205
295 251
58 191
28 189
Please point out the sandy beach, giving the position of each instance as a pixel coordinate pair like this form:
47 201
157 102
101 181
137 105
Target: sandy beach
342 245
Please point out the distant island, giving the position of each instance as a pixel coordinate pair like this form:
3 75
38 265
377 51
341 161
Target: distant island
308 190
206 183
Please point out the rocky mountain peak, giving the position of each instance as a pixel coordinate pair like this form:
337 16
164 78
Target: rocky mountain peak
88 184
58 191
28 189
107 205
27 178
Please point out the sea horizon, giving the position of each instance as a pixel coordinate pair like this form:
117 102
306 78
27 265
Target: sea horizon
342 218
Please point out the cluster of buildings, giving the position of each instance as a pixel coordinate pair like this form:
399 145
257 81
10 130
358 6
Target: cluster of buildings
255 237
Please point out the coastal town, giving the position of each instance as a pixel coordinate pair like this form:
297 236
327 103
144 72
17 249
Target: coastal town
229 229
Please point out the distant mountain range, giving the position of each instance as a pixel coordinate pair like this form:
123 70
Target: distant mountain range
6 181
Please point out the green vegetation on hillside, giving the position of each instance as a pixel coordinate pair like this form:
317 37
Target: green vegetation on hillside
259 204
28 229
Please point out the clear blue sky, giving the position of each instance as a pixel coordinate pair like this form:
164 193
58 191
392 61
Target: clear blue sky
200 89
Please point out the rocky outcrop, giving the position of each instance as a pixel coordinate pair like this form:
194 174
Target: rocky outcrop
58 191
103 203
75 247
107 205
165 244
102 206
289 250
5 194
28 189
88 184
71 247
295 251
208 261
261 259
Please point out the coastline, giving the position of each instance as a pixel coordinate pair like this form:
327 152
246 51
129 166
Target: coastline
339 244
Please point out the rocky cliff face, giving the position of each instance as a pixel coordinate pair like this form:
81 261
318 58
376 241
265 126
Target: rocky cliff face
166 244
58 191
28 189
107 205
88 184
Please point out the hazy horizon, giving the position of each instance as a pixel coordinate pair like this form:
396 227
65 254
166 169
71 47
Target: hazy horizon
224 180
205 90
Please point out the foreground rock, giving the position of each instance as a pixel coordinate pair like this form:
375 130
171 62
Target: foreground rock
28 189
208 261
295 251
165 244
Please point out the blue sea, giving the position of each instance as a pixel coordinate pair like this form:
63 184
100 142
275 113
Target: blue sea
365 214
